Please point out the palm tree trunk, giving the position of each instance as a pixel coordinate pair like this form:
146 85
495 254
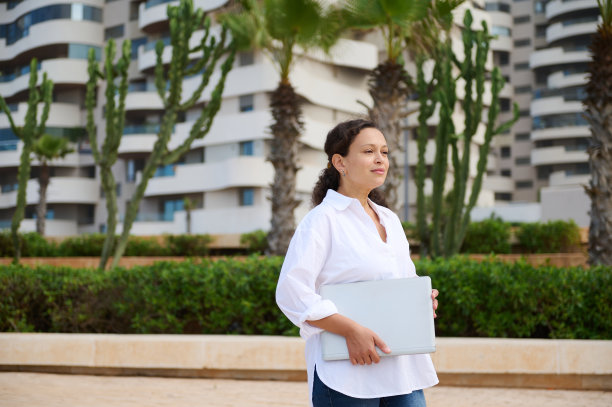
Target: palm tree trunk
41 209
286 130
598 113
389 90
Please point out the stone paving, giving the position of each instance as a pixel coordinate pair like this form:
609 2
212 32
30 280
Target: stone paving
51 390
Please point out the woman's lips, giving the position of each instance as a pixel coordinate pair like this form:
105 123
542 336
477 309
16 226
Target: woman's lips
379 171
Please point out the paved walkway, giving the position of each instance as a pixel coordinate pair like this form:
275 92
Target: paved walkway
51 390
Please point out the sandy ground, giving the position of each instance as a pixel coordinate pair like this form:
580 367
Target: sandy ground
50 390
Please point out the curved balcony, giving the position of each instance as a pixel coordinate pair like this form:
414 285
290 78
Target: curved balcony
502 44
64 71
554 105
236 172
563 30
61 190
557 56
11 158
53 227
147 100
556 8
60 115
10 15
560 79
350 53
54 32
138 139
560 133
497 183
557 155
562 178
153 12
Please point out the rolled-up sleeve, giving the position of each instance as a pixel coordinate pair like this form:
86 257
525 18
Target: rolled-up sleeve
296 292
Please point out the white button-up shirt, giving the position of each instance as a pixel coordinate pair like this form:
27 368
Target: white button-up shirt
337 242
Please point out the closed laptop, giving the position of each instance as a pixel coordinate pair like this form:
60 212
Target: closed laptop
398 310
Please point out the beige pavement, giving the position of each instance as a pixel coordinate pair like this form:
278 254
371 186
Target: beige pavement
50 390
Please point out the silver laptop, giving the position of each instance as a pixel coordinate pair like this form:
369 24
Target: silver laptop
398 310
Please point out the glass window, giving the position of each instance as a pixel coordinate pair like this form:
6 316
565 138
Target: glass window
522 160
521 136
522 19
501 31
115 31
521 66
81 51
524 184
523 42
247 197
246 103
539 6
503 196
506 172
523 89
246 148
504 104
136 43
506 152
169 207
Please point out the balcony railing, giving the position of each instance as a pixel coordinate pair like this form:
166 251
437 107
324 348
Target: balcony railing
567 94
559 120
141 129
153 3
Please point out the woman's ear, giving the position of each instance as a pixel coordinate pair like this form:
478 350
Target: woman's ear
338 162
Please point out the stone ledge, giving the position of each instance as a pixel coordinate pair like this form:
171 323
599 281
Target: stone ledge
540 363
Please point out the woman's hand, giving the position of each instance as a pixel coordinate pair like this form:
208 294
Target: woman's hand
361 343
434 294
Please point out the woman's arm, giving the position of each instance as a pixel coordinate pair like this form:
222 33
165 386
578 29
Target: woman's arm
360 341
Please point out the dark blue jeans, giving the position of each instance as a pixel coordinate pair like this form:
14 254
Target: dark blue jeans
323 396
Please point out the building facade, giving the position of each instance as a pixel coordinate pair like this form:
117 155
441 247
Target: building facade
226 174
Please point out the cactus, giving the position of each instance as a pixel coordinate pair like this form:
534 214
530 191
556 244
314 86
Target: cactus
29 133
106 156
447 235
184 21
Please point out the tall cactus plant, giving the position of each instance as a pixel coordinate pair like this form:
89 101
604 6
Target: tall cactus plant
184 21
29 133
106 155
446 236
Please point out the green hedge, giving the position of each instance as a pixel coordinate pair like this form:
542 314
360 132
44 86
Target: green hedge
237 297
550 237
34 245
487 236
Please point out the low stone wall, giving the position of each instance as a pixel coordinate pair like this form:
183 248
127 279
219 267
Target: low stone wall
536 363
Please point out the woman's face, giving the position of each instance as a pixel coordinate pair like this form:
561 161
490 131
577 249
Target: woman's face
366 163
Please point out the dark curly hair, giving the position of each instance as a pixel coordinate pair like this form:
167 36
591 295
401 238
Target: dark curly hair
338 141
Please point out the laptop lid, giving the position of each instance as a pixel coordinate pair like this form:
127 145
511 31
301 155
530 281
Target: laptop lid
399 310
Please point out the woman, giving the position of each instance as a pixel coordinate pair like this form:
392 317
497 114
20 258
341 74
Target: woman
351 236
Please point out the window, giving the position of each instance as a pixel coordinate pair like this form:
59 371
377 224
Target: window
133 166
506 152
134 10
504 58
540 6
501 31
521 66
522 19
246 148
523 42
115 31
246 58
522 160
540 31
497 7
503 196
524 184
523 89
169 206
137 42
524 113
504 104
246 103
506 172
544 172
247 197
521 136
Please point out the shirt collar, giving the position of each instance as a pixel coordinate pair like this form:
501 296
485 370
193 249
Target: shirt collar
341 202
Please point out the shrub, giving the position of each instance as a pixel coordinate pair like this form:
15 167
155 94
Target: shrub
231 296
488 236
32 245
82 245
550 237
187 245
144 246
255 242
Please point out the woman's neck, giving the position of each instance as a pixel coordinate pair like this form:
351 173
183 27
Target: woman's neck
361 196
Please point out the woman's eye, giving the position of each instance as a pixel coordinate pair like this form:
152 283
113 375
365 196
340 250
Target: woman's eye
385 152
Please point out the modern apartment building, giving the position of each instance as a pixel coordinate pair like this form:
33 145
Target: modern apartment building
226 173
542 51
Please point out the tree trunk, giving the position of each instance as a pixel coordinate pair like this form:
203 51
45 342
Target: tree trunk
388 87
41 209
286 131
110 191
599 115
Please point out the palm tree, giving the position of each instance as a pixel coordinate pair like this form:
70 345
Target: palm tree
47 148
389 83
278 27
598 112
188 206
